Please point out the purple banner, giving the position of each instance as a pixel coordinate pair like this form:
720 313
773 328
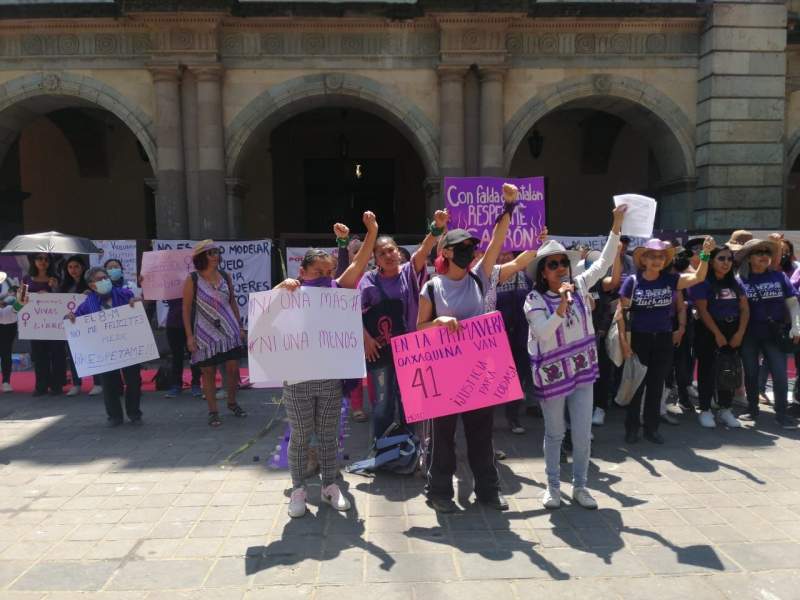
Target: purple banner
475 202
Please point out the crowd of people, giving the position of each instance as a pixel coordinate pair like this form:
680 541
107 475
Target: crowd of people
581 325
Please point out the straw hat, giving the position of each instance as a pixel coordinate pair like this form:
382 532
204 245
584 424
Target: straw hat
204 246
653 245
738 239
744 252
552 248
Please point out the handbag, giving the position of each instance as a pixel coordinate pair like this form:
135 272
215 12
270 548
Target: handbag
728 369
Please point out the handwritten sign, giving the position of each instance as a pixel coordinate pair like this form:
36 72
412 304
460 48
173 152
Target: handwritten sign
442 373
311 333
164 273
248 262
42 318
475 202
122 250
640 215
111 339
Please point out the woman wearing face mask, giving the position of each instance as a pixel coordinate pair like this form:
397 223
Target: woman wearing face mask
648 296
102 296
74 282
211 322
114 269
563 355
724 313
460 293
772 302
49 358
390 302
315 406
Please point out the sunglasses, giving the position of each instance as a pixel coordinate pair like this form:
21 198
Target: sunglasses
47 258
762 253
724 258
554 264
212 252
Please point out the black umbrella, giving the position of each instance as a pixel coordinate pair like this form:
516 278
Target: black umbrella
50 242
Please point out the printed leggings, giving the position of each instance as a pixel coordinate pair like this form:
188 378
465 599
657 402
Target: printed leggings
313 406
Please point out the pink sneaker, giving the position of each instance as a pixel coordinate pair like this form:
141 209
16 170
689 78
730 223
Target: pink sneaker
297 503
333 495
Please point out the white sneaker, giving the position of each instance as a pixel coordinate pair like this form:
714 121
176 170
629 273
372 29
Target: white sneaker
74 391
7 388
333 495
707 419
598 416
96 390
551 498
297 503
582 496
727 418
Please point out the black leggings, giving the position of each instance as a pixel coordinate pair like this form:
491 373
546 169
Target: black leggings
50 364
7 335
654 351
706 350
176 338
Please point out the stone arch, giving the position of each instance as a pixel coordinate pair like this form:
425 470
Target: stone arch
25 98
638 103
301 94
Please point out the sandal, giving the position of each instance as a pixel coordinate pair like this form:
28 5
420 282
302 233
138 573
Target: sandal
213 419
359 416
237 410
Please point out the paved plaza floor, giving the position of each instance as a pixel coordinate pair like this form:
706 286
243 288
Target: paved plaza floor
158 512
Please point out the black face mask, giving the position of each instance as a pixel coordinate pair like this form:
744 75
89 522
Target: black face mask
462 255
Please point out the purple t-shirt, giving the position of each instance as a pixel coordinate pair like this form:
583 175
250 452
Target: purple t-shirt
722 305
767 293
403 286
651 301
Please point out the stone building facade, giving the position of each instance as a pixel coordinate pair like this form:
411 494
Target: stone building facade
234 118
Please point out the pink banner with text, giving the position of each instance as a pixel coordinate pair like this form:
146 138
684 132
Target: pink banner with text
164 272
442 373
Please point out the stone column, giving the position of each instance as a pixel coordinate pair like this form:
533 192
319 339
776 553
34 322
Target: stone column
451 121
212 197
740 116
433 195
472 123
491 149
189 112
171 213
236 191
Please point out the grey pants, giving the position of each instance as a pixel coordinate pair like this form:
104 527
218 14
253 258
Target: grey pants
313 406
580 405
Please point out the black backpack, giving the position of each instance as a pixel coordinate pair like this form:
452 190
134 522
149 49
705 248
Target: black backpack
728 368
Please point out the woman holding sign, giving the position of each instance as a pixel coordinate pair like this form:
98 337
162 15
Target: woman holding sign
315 406
102 296
563 353
211 321
460 293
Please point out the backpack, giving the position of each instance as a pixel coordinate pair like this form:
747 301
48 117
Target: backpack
728 370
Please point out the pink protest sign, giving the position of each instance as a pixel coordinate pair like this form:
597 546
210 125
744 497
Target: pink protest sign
442 373
163 273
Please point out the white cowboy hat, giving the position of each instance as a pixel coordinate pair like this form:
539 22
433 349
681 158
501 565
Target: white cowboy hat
552 248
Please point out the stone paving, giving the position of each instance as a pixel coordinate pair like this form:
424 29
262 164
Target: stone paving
151 512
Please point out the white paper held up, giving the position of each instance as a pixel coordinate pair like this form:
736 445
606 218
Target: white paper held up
640 216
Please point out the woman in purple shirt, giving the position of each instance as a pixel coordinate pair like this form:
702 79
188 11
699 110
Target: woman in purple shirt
647 296
724 312
773 304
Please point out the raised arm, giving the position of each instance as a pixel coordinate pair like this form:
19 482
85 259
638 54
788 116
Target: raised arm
420 257
613 282
342 233
600 267
510 195
350 277
521 262
689 279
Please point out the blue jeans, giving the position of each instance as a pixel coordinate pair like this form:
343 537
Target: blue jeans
580 404
387 400
775 360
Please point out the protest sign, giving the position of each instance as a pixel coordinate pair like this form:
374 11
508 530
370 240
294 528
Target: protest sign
475 202
640 215
111 339
311 333
122 250
42 318
294 256
164 273
442 373
248 262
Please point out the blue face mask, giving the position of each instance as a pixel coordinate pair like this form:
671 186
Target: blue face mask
115 274
104 287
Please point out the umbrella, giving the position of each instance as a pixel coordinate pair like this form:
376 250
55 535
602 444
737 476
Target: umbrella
50 242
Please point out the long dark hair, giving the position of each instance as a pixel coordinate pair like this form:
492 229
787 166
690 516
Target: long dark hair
66 279
728 281
540 283
33 271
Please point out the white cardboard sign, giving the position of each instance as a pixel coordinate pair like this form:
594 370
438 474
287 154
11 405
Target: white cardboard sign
42 318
